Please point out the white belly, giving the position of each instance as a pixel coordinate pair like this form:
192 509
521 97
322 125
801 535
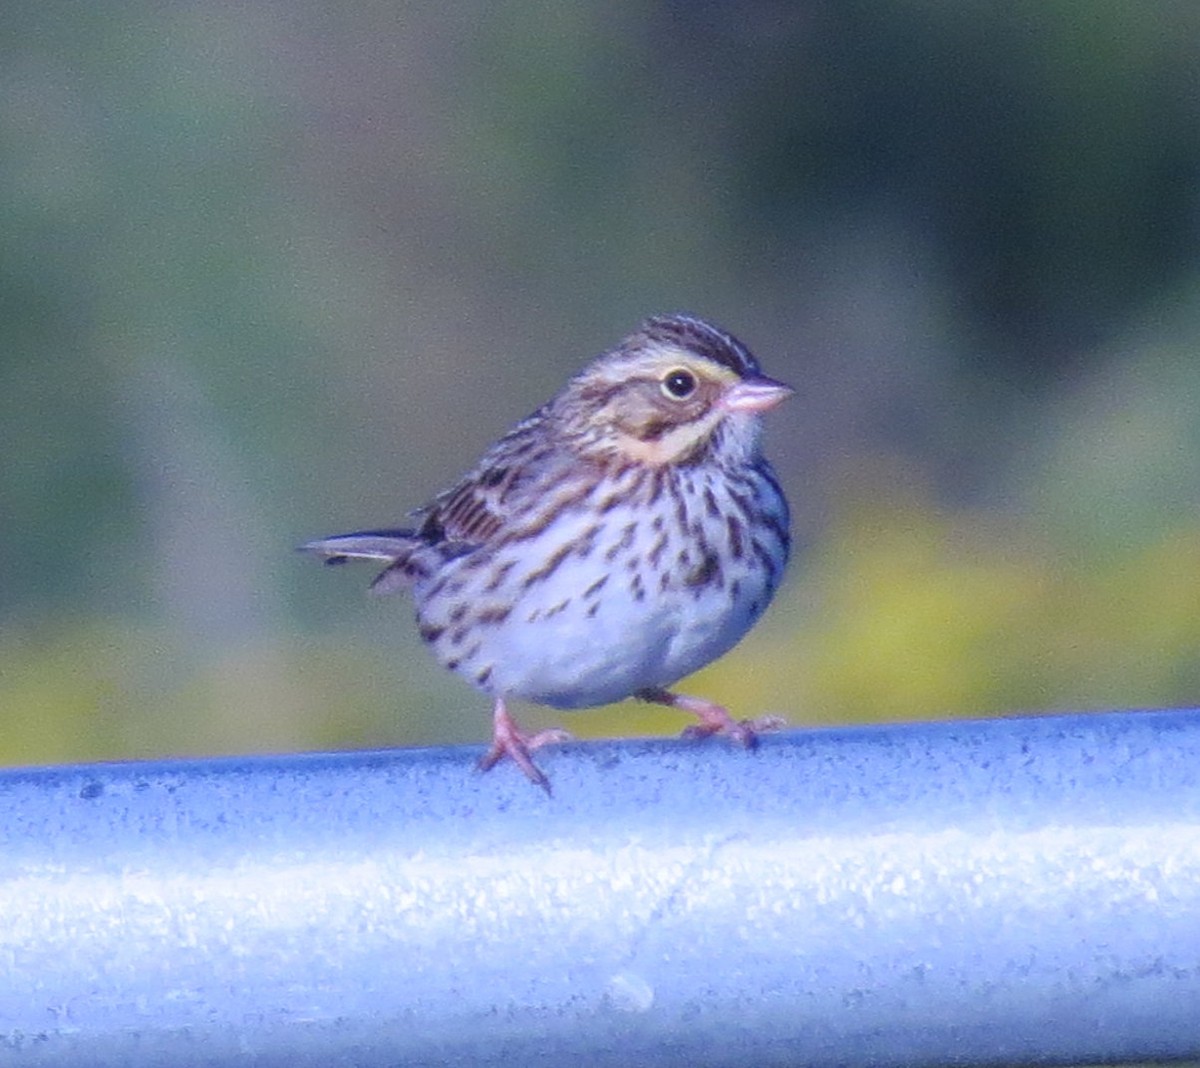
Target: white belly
575 658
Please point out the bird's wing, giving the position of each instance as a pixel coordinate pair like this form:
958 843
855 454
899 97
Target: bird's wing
509 479
505 482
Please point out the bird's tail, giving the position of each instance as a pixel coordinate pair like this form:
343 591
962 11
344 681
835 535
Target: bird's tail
392 547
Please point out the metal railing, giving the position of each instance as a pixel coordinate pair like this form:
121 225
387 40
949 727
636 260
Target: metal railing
1015 891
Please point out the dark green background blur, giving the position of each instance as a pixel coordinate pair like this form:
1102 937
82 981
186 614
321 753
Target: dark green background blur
277 270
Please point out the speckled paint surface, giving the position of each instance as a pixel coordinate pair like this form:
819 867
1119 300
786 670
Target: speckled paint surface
960 893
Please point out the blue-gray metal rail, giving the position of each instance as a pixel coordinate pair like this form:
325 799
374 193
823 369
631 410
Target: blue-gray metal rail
1020 891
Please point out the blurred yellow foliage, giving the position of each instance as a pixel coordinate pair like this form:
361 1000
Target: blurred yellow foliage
903 611
906 612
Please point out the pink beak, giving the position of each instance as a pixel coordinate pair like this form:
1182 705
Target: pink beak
757 394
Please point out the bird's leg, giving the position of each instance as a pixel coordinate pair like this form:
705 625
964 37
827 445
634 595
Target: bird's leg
714 718
508 740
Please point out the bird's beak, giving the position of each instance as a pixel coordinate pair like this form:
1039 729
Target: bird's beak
757 394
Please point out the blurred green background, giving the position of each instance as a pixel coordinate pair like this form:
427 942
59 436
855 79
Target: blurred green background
278 270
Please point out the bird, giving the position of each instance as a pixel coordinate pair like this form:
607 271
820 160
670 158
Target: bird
626 534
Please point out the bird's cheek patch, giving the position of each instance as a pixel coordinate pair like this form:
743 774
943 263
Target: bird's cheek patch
672 444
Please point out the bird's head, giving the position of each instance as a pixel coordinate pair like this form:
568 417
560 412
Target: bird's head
674 389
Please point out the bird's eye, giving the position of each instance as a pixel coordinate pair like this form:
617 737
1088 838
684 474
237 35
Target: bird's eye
679 384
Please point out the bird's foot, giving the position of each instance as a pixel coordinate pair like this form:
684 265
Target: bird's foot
715 718
508 740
